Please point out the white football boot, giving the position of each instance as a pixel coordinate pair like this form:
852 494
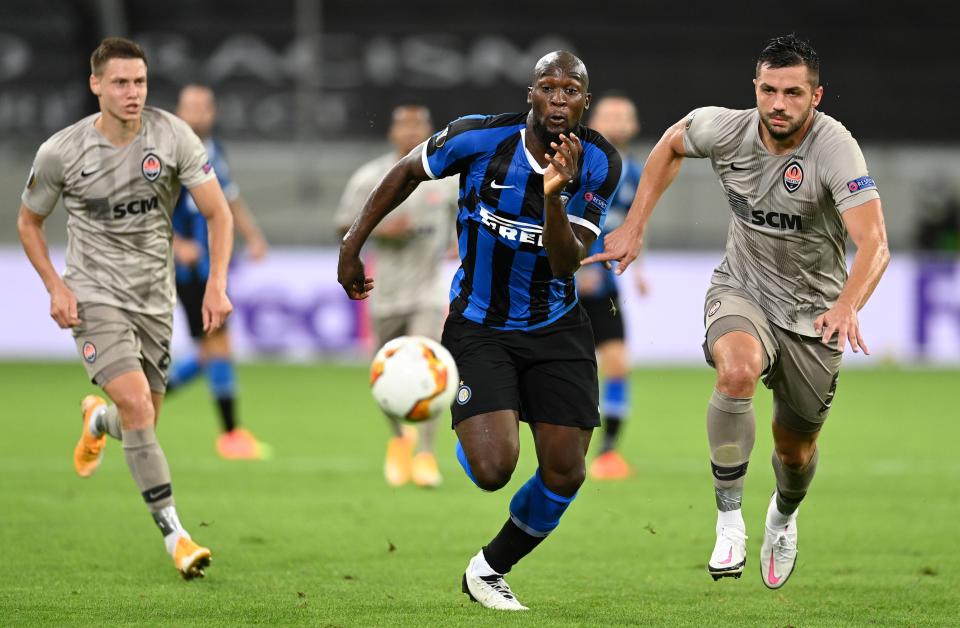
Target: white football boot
488 588
778 554
730 553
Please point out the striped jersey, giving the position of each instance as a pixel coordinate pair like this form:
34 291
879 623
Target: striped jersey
786 241
504 280
189 223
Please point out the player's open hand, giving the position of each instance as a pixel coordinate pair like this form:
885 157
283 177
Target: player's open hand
564 164
621 245
216 308
841 320
351 275
63 306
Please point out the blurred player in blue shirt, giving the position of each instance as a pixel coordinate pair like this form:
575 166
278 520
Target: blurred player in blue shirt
214 358
614 117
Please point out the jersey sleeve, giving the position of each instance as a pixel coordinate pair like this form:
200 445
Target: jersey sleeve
845 174
600 179
193 167
45 182
701 134
447 152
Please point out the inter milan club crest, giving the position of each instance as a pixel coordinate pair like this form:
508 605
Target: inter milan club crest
151 167
793 176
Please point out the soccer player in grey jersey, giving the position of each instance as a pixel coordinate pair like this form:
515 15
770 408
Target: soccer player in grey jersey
781 304
119 173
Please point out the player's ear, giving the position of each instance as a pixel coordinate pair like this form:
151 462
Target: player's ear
588 100
817 95
95 85
529 95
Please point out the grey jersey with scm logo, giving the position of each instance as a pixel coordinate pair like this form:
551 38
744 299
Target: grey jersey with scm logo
786 240
119 203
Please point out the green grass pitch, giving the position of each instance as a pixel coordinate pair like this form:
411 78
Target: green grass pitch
315 537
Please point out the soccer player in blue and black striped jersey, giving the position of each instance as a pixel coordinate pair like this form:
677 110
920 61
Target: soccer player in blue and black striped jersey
534 189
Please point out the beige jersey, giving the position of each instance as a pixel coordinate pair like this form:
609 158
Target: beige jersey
119 203
408 272
786 241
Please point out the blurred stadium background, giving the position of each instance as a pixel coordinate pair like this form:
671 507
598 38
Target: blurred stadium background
305 89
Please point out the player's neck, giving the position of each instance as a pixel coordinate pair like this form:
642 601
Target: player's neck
116 131
787 144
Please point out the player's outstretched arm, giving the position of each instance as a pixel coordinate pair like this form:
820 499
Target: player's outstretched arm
209 199
865 225
63 303
395 186
623 243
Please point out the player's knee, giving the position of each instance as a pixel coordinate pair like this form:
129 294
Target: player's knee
564 481
492 475
795 458
136 409
738 379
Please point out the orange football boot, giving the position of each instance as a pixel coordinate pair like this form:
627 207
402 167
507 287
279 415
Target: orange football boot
425 471
89 450
398 466
190 559
610 466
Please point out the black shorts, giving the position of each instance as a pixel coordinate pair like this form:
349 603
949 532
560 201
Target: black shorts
548 375
605 317
190 294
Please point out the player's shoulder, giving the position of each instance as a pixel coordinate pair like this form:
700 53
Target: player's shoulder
830 131
165 121
67 137
722 115
484 125
597 147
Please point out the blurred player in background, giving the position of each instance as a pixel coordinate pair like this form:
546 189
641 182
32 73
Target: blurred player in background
534 187
781 304
411 245
191 253
119 172
615 118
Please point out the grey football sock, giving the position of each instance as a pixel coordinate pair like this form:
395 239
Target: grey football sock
731 430
108 422
792 484
148 466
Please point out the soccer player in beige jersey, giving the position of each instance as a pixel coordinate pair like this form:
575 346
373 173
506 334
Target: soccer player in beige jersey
781 305
412 296
119 172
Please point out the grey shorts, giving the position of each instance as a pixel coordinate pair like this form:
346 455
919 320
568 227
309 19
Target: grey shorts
113 341
424 322
800 370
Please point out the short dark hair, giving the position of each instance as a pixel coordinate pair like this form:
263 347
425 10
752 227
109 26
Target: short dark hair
115 48
787 51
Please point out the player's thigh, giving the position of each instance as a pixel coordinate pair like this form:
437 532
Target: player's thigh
560 385
155 332
727 311
804 381
491 442
488 370
190 294
560 448
388 327
107 341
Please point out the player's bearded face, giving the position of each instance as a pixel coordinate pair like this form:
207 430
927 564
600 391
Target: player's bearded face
558 101
785 99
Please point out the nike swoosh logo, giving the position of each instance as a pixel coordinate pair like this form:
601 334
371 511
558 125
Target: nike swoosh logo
494 185
771 573
87 174
737 168
729 558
